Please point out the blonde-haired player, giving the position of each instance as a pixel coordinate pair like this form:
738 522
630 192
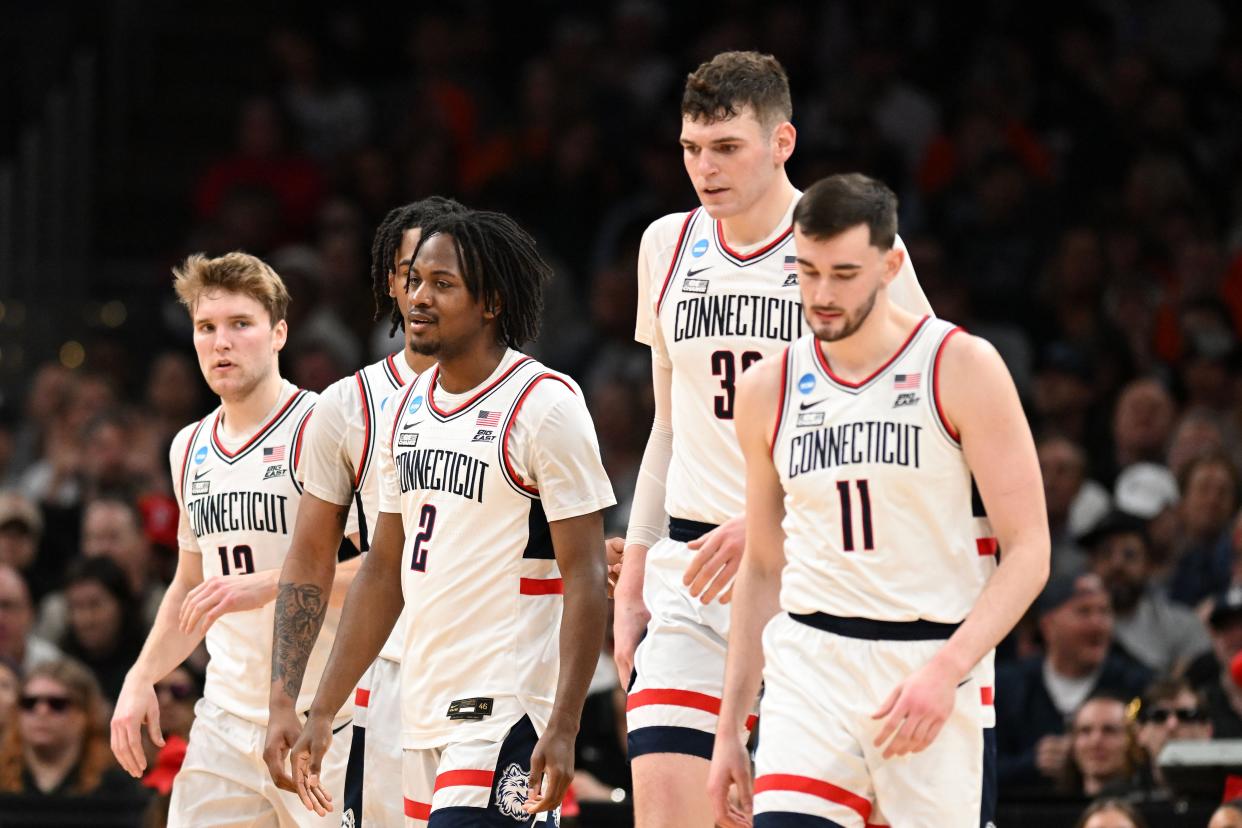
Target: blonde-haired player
234 479
866 572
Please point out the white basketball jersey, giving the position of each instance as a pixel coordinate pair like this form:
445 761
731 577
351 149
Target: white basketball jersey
480 579
882 520
711 312
241 504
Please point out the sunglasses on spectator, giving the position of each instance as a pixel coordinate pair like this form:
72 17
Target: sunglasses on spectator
56 704
179 692
1160 715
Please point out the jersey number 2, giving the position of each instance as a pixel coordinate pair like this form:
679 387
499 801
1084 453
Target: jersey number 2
243 559
847 515
724 365
426 525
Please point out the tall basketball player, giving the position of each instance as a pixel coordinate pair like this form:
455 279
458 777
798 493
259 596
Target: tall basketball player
490 527
867 571
717 291
235 478
342 496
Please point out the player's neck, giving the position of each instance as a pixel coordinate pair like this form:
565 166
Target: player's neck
860 354
763 218
418 362
244 415
461 372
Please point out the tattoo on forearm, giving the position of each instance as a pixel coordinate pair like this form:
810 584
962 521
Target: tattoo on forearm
300 609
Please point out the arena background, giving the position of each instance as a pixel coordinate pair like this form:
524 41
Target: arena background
1070 179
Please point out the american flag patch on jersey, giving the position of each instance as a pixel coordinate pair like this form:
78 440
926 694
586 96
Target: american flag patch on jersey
906 381
488 419
791 264
273 454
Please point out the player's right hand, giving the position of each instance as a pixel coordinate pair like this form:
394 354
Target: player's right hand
614 550
136 704
729 784
283 730
306 756
718 555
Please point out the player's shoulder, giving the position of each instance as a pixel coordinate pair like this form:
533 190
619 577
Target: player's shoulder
767 376
341 395
962 351
544 389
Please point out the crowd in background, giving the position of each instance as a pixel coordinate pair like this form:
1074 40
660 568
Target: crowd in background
1071 190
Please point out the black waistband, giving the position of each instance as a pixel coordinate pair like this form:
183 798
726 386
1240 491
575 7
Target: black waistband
876 630
680 529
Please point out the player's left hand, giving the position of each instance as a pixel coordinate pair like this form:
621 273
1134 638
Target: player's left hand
718 556
219 595
614 550
552 757
917 709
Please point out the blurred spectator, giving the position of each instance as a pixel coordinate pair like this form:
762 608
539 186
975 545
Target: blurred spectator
17 642
21 527
1203 558
1111 813
1149 491
10 688
263 160
1228 815
1035 696
1196 434
105 630
1104 758
332 117
1142 423
1214 674
48 395
174 393
1170 711
59 747
1075 503
177 694
1064 394
112 528
1153 630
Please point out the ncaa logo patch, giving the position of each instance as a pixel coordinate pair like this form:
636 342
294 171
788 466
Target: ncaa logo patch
511 793
415 404
200 456
806 383
700 247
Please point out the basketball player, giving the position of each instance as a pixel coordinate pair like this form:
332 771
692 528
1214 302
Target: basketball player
717 291
865 571
338 473
235 479
491 491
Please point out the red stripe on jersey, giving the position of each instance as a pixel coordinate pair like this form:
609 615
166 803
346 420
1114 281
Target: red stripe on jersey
780 405
366 433
417 810
986 695
815 787
395 375
724 245
823 361
297 395
504 440
185 461
297 441
542 586
435 377
987 546
474 778
944 421
672 265
362 697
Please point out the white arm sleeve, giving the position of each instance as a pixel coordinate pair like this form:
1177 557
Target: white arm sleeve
648 519
905 290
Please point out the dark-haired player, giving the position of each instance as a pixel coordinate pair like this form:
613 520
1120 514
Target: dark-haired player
867 574
490 527
338 473
717 291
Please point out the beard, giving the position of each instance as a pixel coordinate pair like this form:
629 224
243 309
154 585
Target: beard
850 322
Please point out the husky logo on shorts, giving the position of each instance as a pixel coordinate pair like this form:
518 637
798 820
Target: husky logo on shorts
347 819
511 792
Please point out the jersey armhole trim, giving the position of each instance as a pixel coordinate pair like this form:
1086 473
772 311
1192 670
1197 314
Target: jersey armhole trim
949 430
296 449
678 250
510 474
185 460
368 431
780 405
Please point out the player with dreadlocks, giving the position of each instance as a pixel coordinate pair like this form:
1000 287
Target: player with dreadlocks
341 496
490 530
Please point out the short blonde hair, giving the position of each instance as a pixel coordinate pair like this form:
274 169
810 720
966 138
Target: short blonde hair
235 273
